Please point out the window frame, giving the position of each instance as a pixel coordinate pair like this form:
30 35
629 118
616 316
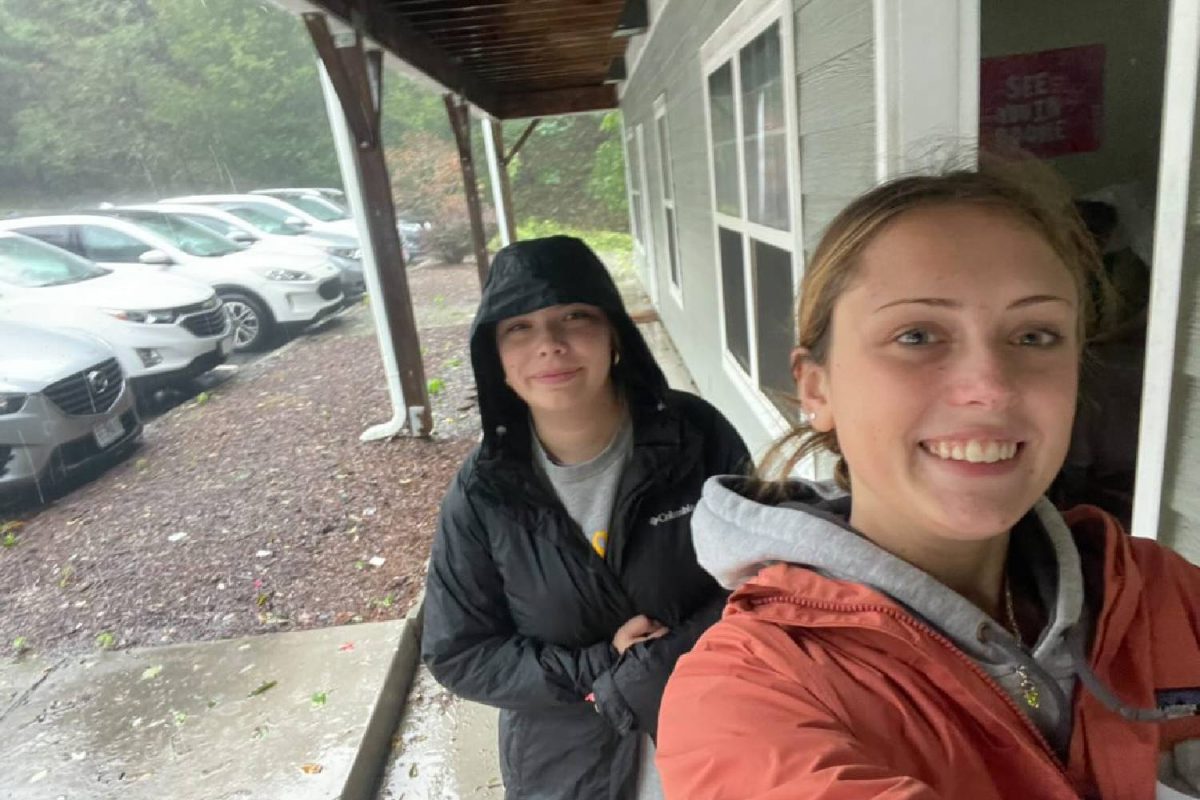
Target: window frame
666 179
747 21
637 183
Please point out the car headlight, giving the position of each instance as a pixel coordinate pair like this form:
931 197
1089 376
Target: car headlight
11 402
164 316
286 275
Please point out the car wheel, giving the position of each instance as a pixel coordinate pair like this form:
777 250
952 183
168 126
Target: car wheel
252 324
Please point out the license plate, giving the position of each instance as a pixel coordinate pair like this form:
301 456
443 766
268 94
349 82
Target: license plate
108 432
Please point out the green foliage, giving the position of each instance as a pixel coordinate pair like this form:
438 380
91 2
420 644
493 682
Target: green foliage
123 100
607 181
435 386
105 640
603 242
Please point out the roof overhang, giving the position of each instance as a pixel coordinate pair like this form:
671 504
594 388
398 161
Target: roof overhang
509 58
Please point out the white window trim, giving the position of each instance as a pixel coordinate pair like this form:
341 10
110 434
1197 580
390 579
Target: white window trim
748 20
1166 279
650 263
926 83
666 173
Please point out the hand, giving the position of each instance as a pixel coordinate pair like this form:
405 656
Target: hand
638 629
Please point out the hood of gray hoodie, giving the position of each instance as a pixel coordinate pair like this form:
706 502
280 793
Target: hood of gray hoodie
735 536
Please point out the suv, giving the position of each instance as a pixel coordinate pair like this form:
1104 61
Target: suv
64 406
162 329
255 229
330 221
330 205
261 292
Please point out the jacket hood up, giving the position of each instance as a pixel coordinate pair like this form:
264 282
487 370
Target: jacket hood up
530 275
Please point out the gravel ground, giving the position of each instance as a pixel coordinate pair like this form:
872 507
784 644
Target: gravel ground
255 508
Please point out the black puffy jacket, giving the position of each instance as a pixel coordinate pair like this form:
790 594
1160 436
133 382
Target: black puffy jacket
519 610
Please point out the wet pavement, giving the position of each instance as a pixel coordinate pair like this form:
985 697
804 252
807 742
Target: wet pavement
445 749
283 716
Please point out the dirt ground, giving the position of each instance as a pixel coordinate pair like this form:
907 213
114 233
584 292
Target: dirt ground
255 508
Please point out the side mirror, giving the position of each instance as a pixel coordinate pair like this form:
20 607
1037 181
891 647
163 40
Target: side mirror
297 223
242 237
155 258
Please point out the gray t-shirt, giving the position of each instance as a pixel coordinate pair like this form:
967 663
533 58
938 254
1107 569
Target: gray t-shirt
588 491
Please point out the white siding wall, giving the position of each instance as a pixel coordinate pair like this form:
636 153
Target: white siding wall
834 64
1180 521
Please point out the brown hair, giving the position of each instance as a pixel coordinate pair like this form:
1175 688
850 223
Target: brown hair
1026 189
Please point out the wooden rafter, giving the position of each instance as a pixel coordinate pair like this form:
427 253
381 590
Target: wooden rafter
509 58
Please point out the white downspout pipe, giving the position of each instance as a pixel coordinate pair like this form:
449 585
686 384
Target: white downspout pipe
503 212
345 146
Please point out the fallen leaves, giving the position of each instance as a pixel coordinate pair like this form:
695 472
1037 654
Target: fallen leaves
263 688
150 673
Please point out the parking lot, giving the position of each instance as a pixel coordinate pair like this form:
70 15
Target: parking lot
251 505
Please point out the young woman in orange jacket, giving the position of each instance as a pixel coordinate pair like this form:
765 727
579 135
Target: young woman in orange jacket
929 626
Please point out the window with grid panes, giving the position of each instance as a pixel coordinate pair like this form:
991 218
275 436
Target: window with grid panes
749 137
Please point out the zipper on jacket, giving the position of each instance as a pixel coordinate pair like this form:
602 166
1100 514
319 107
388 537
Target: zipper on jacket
941 639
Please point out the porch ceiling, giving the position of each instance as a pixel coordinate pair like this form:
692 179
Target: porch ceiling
510 58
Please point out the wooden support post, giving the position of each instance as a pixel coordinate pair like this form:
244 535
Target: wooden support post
516 148
493 137
357 79
460 123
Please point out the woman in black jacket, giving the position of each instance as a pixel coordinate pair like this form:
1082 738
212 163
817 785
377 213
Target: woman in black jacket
563 585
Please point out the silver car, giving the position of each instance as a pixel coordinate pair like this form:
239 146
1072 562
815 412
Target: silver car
64 406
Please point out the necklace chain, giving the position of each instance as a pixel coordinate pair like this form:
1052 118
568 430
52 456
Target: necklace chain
1029 689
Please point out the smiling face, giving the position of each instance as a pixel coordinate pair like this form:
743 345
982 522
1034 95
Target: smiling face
951 375
557 359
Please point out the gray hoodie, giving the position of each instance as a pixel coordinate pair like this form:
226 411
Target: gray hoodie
735 536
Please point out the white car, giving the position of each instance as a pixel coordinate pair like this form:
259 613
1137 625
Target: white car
268 232
162 329
329 205
260 292
339 223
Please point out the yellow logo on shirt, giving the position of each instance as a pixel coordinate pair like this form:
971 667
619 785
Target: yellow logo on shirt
600 542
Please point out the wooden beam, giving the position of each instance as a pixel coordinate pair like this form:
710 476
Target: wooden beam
635 19
408 43
616 70
516 148
553 103
348 92
523 10
358 86
460 124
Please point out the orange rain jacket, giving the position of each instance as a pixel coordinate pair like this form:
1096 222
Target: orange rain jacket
815 688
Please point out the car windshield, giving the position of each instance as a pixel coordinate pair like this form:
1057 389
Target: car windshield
193 239
319 207
29 263
265 217
223 227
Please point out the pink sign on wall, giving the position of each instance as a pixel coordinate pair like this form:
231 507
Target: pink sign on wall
1048 104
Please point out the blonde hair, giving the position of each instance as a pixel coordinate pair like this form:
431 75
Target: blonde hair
1024 189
